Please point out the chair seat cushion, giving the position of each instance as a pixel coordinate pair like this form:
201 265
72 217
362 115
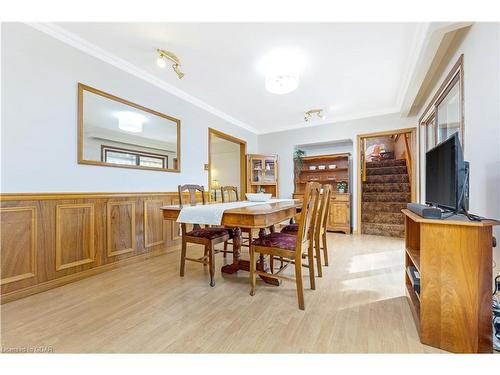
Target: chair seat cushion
291 229
210 233
279 240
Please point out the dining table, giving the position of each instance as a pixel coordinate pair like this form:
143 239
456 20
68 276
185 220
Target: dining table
262 217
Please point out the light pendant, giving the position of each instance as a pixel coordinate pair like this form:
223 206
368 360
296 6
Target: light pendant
130 121
281 83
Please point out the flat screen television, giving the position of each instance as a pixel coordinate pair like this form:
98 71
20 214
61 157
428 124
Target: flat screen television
445 184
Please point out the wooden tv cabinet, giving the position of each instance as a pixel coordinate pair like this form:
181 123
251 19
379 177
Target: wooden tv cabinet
454 258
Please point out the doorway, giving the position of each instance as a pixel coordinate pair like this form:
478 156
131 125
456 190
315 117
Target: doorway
386 180
226 163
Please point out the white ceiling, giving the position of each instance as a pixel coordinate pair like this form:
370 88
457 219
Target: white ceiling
352 70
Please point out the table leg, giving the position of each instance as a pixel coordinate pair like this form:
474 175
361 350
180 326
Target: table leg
236 265
240 264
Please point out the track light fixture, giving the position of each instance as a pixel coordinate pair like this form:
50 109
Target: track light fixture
167 55
313 112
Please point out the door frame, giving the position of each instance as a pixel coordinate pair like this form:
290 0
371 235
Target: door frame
243 151
414 144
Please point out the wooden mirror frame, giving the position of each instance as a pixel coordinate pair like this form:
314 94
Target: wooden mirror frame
81 89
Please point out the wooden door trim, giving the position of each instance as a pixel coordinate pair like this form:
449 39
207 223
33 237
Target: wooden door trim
243 151
414 143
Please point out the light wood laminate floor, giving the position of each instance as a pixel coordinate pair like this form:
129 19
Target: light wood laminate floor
358 307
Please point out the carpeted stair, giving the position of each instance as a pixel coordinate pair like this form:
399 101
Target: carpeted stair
385 192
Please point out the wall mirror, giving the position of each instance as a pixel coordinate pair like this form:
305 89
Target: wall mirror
117 133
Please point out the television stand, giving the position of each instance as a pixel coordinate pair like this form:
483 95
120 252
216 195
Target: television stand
454 259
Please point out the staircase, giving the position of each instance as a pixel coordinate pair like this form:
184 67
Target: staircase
385 193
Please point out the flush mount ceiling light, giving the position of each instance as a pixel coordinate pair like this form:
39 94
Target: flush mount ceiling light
130 121
308 116
164 55
281 83
282 69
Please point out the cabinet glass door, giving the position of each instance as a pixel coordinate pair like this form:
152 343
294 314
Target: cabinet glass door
257 170
270 171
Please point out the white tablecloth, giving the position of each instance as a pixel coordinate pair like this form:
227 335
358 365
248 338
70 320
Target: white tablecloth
211 214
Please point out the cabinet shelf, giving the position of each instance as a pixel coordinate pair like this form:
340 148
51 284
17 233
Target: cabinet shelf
262 183
324 170
414 257
320 180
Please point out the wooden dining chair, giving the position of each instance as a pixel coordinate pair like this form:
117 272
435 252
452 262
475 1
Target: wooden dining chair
290 247
230 194
320 239
319 231
207 236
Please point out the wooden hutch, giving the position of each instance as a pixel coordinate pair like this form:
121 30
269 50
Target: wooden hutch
262 174
328 169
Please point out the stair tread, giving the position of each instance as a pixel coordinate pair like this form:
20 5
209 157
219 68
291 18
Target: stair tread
382 182
386 162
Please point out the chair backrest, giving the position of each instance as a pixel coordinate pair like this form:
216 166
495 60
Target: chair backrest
324 207
309 211
192 189
229 190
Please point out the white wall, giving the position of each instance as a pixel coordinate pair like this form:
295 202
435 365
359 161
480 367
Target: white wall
481 50
347 130
39 114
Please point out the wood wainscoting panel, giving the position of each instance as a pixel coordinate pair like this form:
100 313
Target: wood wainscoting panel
18 243
75 227
51 239
120 225
154 225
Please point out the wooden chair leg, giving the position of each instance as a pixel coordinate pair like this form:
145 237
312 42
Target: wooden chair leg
205 253
211 264
317 249
325 248
298 282
310 261
253 279
225 249
183 257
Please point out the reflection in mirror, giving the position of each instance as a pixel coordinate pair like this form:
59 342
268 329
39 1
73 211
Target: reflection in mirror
115 132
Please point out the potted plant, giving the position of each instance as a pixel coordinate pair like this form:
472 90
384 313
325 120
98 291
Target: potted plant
298 158
342 186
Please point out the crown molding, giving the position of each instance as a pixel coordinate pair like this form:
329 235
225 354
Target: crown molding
85 46
351 117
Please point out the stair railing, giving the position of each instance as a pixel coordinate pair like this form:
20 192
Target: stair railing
363 160
409 165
